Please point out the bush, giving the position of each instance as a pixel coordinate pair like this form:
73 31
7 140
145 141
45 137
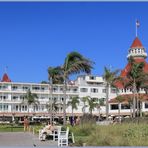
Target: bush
88 118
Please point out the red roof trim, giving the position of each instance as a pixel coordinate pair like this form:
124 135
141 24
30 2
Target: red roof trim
5 78
136 43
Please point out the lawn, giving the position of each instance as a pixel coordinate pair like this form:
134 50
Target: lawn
11 128
112 135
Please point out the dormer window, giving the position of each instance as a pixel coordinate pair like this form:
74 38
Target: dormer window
92 78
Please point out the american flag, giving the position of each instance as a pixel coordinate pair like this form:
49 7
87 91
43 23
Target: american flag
137 23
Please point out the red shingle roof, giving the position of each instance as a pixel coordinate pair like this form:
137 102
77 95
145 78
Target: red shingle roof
5 78
127 97
136 43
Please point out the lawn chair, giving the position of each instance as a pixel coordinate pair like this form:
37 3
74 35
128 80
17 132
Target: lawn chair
63 137
56 132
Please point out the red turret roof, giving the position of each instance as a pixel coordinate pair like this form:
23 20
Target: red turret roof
136 43
5 78
125 71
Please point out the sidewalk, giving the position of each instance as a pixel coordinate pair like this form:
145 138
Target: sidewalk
23 139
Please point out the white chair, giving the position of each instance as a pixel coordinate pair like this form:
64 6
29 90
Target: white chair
63 137
41 135
56 132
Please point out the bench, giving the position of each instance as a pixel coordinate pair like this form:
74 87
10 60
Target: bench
54 134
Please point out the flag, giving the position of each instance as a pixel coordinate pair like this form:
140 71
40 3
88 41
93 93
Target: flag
137 23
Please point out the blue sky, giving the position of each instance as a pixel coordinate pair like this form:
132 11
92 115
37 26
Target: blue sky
34 36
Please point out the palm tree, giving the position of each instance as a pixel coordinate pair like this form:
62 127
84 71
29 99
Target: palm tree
110 77
55 77
74 101
119 99
52 106
84 100
92 103
74 63
30 99
101 103
134 79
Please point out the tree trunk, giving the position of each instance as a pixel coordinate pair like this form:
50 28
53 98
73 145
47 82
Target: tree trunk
140 109
28 110
84 108
130 110
119 109
134 99
72 117
99 112
107 95
137 102
51 101
64 103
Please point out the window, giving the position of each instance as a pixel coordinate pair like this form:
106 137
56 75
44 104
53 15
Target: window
25 107
55 89
114 106
5 107
94 90
83 90
36 88
75 89
113 91
15 97
83 78
14 87
125 106
43 88
25 88
62 99
92 78
146 104
0 107
16 107
103 90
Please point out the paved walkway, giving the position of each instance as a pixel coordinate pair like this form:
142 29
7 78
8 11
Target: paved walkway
23 139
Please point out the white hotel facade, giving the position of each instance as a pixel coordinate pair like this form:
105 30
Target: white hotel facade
12 93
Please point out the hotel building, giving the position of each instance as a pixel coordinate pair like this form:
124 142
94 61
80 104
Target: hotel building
12 93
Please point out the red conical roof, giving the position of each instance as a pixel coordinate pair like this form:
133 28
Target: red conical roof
136 43
5 78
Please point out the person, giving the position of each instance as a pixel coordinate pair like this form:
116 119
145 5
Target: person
47 130
78 121
26 124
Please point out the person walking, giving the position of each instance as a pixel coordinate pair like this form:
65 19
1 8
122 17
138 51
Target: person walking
26 124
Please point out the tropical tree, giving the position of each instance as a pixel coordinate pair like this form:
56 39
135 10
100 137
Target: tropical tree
84 100
100 103
52 106
74 101
30 99
119 99
92 104
110 77
135 80
74 63
55 77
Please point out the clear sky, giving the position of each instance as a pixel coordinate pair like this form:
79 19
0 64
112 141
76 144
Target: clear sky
34 36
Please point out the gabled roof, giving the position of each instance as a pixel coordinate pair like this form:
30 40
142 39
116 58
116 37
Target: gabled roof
136 43
5 78
128 97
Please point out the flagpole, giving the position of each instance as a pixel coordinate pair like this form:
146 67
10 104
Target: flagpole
136 29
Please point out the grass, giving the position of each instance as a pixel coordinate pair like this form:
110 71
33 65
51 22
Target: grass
10 128
113 135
